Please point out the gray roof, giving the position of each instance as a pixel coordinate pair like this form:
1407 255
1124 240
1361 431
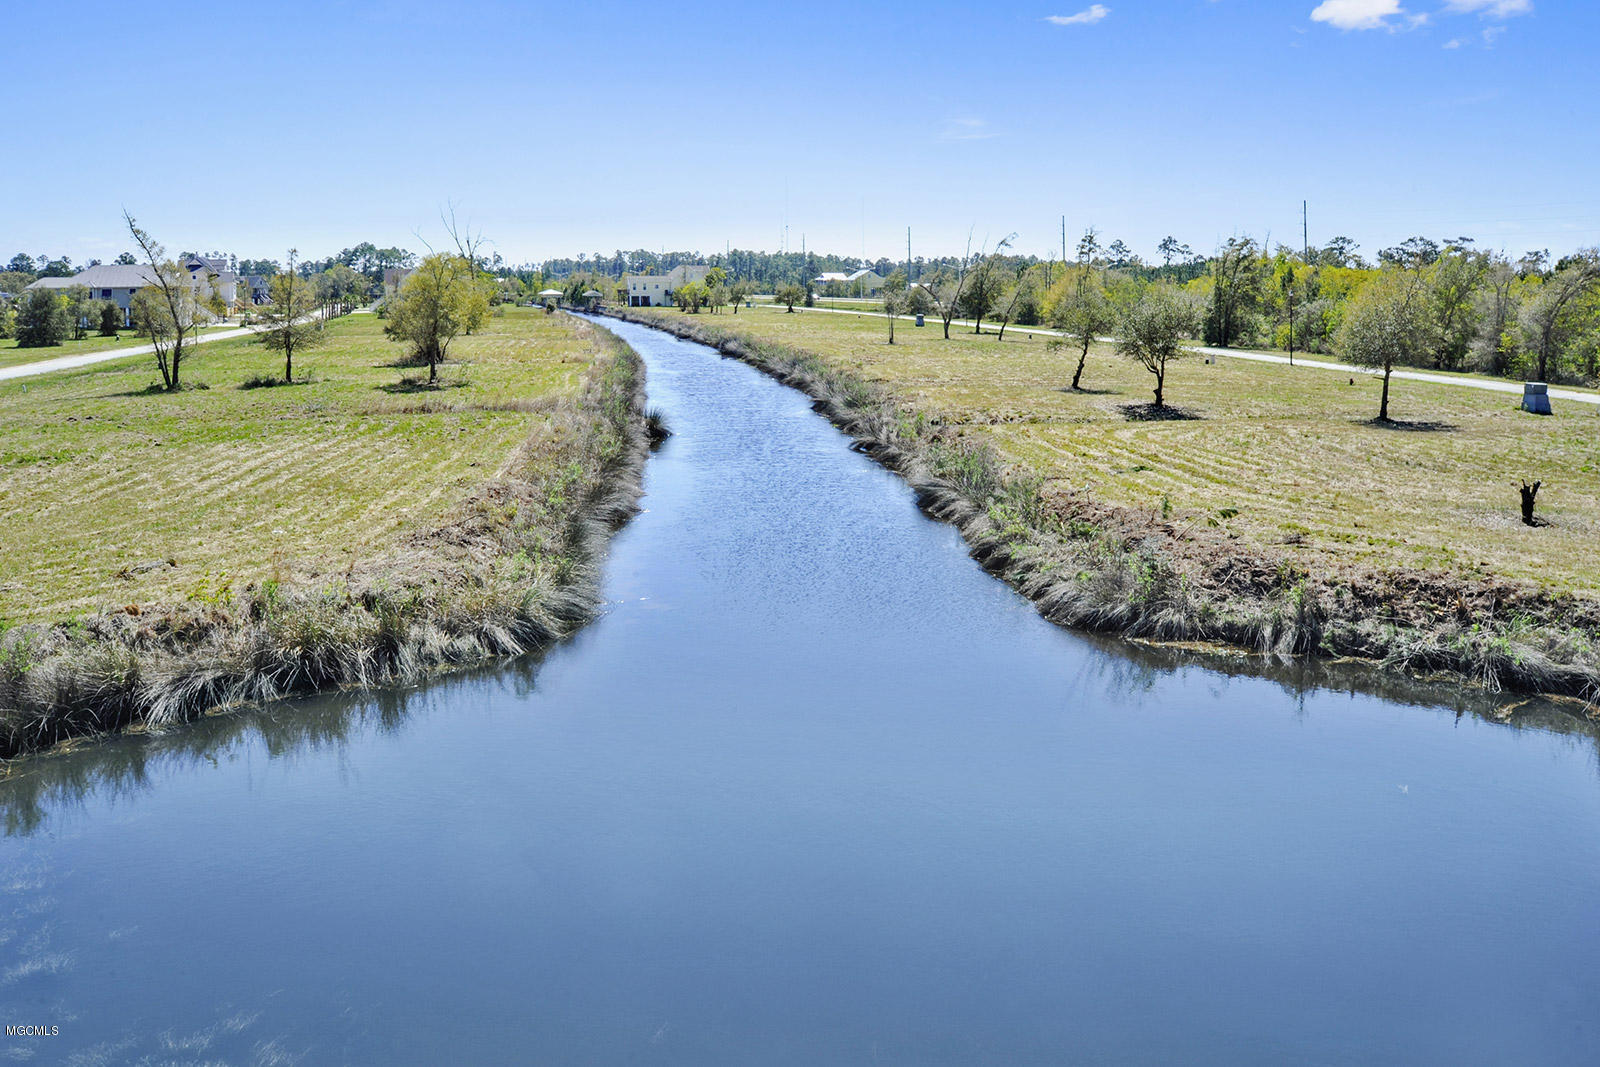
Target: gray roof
116 276
102 276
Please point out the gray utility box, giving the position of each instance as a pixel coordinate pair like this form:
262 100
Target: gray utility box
1536 398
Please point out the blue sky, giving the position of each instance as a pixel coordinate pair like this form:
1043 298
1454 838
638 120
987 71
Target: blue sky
564 128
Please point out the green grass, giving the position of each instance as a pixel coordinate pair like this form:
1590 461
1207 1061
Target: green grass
1280 458
101 476
11 355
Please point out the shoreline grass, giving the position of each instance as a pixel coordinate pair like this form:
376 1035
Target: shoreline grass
482 567
1115 567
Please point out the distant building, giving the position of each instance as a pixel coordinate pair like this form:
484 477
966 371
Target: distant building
117 282
259 286
655 290
393 279
863 282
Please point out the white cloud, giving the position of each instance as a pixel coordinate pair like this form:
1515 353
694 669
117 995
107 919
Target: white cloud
1490 33
1358 14
1495 9
967 129
1091 14
1454 42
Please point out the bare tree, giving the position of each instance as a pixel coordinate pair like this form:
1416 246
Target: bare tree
948 287
172 312
289 323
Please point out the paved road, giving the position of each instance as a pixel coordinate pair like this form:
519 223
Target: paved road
1485 384
84 359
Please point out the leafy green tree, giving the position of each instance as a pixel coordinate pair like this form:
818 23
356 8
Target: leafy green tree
1153 329
1384 325
1548 320
75 299
41 319
716 276
690 297
288 322
984 287
125 259
717 297
22 263
1083 314
110 318
432 307
789 294
738 293
1236 288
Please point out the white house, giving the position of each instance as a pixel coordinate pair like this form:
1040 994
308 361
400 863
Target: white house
655 290
863 282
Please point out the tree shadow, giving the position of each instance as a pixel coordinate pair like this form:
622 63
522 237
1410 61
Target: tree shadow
1083 391
1148 412
419 384
271 381
1411 426
157 389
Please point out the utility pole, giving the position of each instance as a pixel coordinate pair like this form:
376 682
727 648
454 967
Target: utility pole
908 256
1305 233
1063 239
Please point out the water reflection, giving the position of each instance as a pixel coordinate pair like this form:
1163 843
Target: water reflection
122 768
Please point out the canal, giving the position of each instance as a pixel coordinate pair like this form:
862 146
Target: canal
814 789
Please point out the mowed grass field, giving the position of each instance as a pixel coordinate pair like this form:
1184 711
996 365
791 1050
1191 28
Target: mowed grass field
1277 457
101 477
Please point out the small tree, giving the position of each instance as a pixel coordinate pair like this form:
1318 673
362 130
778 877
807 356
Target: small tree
789 294
288 323
76 301
690 297
987 282
1153 330
894 305
41 320
1082 316
429 311
1383 326
717 297
948 288
110 318
170 314
738 293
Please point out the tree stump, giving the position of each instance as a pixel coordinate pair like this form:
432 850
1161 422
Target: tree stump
1528 494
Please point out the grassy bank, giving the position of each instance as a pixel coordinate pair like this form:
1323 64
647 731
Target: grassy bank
1275 517
167 554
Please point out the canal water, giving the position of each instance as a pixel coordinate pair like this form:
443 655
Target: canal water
814 790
